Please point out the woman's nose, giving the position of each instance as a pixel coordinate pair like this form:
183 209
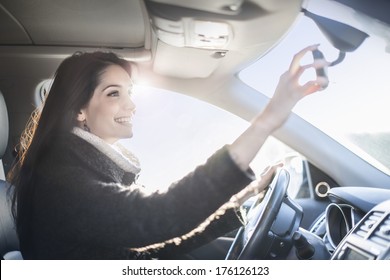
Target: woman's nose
129 104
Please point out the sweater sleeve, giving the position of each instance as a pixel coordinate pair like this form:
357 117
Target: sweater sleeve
112 215
230 221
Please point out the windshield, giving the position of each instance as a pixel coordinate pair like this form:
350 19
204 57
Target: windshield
354 109
180 132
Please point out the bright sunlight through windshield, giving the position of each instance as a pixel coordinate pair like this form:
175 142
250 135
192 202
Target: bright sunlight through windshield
352 109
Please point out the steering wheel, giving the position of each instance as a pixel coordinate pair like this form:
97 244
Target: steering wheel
253 236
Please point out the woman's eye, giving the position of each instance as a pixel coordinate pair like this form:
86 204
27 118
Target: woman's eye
114 93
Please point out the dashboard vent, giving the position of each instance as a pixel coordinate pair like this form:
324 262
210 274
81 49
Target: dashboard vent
369 223
381 235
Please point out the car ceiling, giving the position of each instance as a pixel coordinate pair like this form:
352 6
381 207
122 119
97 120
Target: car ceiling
75 23
124 26
377 9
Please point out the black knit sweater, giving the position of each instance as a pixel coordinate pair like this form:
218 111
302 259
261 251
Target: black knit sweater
85 206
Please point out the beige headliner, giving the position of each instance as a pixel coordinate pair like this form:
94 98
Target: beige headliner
36 35
124 25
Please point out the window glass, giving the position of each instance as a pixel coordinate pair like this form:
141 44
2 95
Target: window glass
174 133
354 109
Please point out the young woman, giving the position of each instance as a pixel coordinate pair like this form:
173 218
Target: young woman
75 190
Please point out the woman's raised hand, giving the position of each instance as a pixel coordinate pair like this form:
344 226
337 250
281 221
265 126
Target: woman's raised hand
288 92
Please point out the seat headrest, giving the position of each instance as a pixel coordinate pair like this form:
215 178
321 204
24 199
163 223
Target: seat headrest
3 126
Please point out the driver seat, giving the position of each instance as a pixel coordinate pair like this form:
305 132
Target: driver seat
9 243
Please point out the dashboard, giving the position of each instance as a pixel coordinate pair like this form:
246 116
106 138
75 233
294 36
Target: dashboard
340 219
356 224
369 239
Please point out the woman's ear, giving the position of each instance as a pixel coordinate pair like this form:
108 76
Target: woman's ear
81 116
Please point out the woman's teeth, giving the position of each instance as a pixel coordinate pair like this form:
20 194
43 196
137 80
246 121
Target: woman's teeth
123 120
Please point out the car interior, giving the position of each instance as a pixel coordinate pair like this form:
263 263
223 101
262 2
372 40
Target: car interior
327 203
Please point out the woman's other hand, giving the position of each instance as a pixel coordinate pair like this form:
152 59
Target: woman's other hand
258 185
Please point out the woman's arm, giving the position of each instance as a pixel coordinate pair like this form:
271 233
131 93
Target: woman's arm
287 94
219 227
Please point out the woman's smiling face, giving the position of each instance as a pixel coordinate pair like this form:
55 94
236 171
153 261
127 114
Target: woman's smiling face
110 111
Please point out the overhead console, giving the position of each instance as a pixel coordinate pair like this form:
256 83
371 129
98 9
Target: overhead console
198 24
213 30
211 24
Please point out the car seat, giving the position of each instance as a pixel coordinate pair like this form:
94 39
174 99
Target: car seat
9 243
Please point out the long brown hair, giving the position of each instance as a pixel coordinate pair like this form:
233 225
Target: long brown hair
74 83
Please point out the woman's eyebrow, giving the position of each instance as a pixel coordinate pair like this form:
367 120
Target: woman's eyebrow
113 85
118 85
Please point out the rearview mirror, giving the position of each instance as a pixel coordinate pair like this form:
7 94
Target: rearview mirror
343 37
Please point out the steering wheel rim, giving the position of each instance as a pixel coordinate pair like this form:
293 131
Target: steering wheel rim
252 236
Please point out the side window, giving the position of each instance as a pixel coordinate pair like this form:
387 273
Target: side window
173 133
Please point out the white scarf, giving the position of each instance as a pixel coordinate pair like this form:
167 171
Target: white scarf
116 152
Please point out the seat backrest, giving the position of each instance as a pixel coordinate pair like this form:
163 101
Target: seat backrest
3 133
9 243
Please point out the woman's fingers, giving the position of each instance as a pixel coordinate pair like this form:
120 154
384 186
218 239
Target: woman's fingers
316 85
258 185
295 63
296 70
317 64
267 175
